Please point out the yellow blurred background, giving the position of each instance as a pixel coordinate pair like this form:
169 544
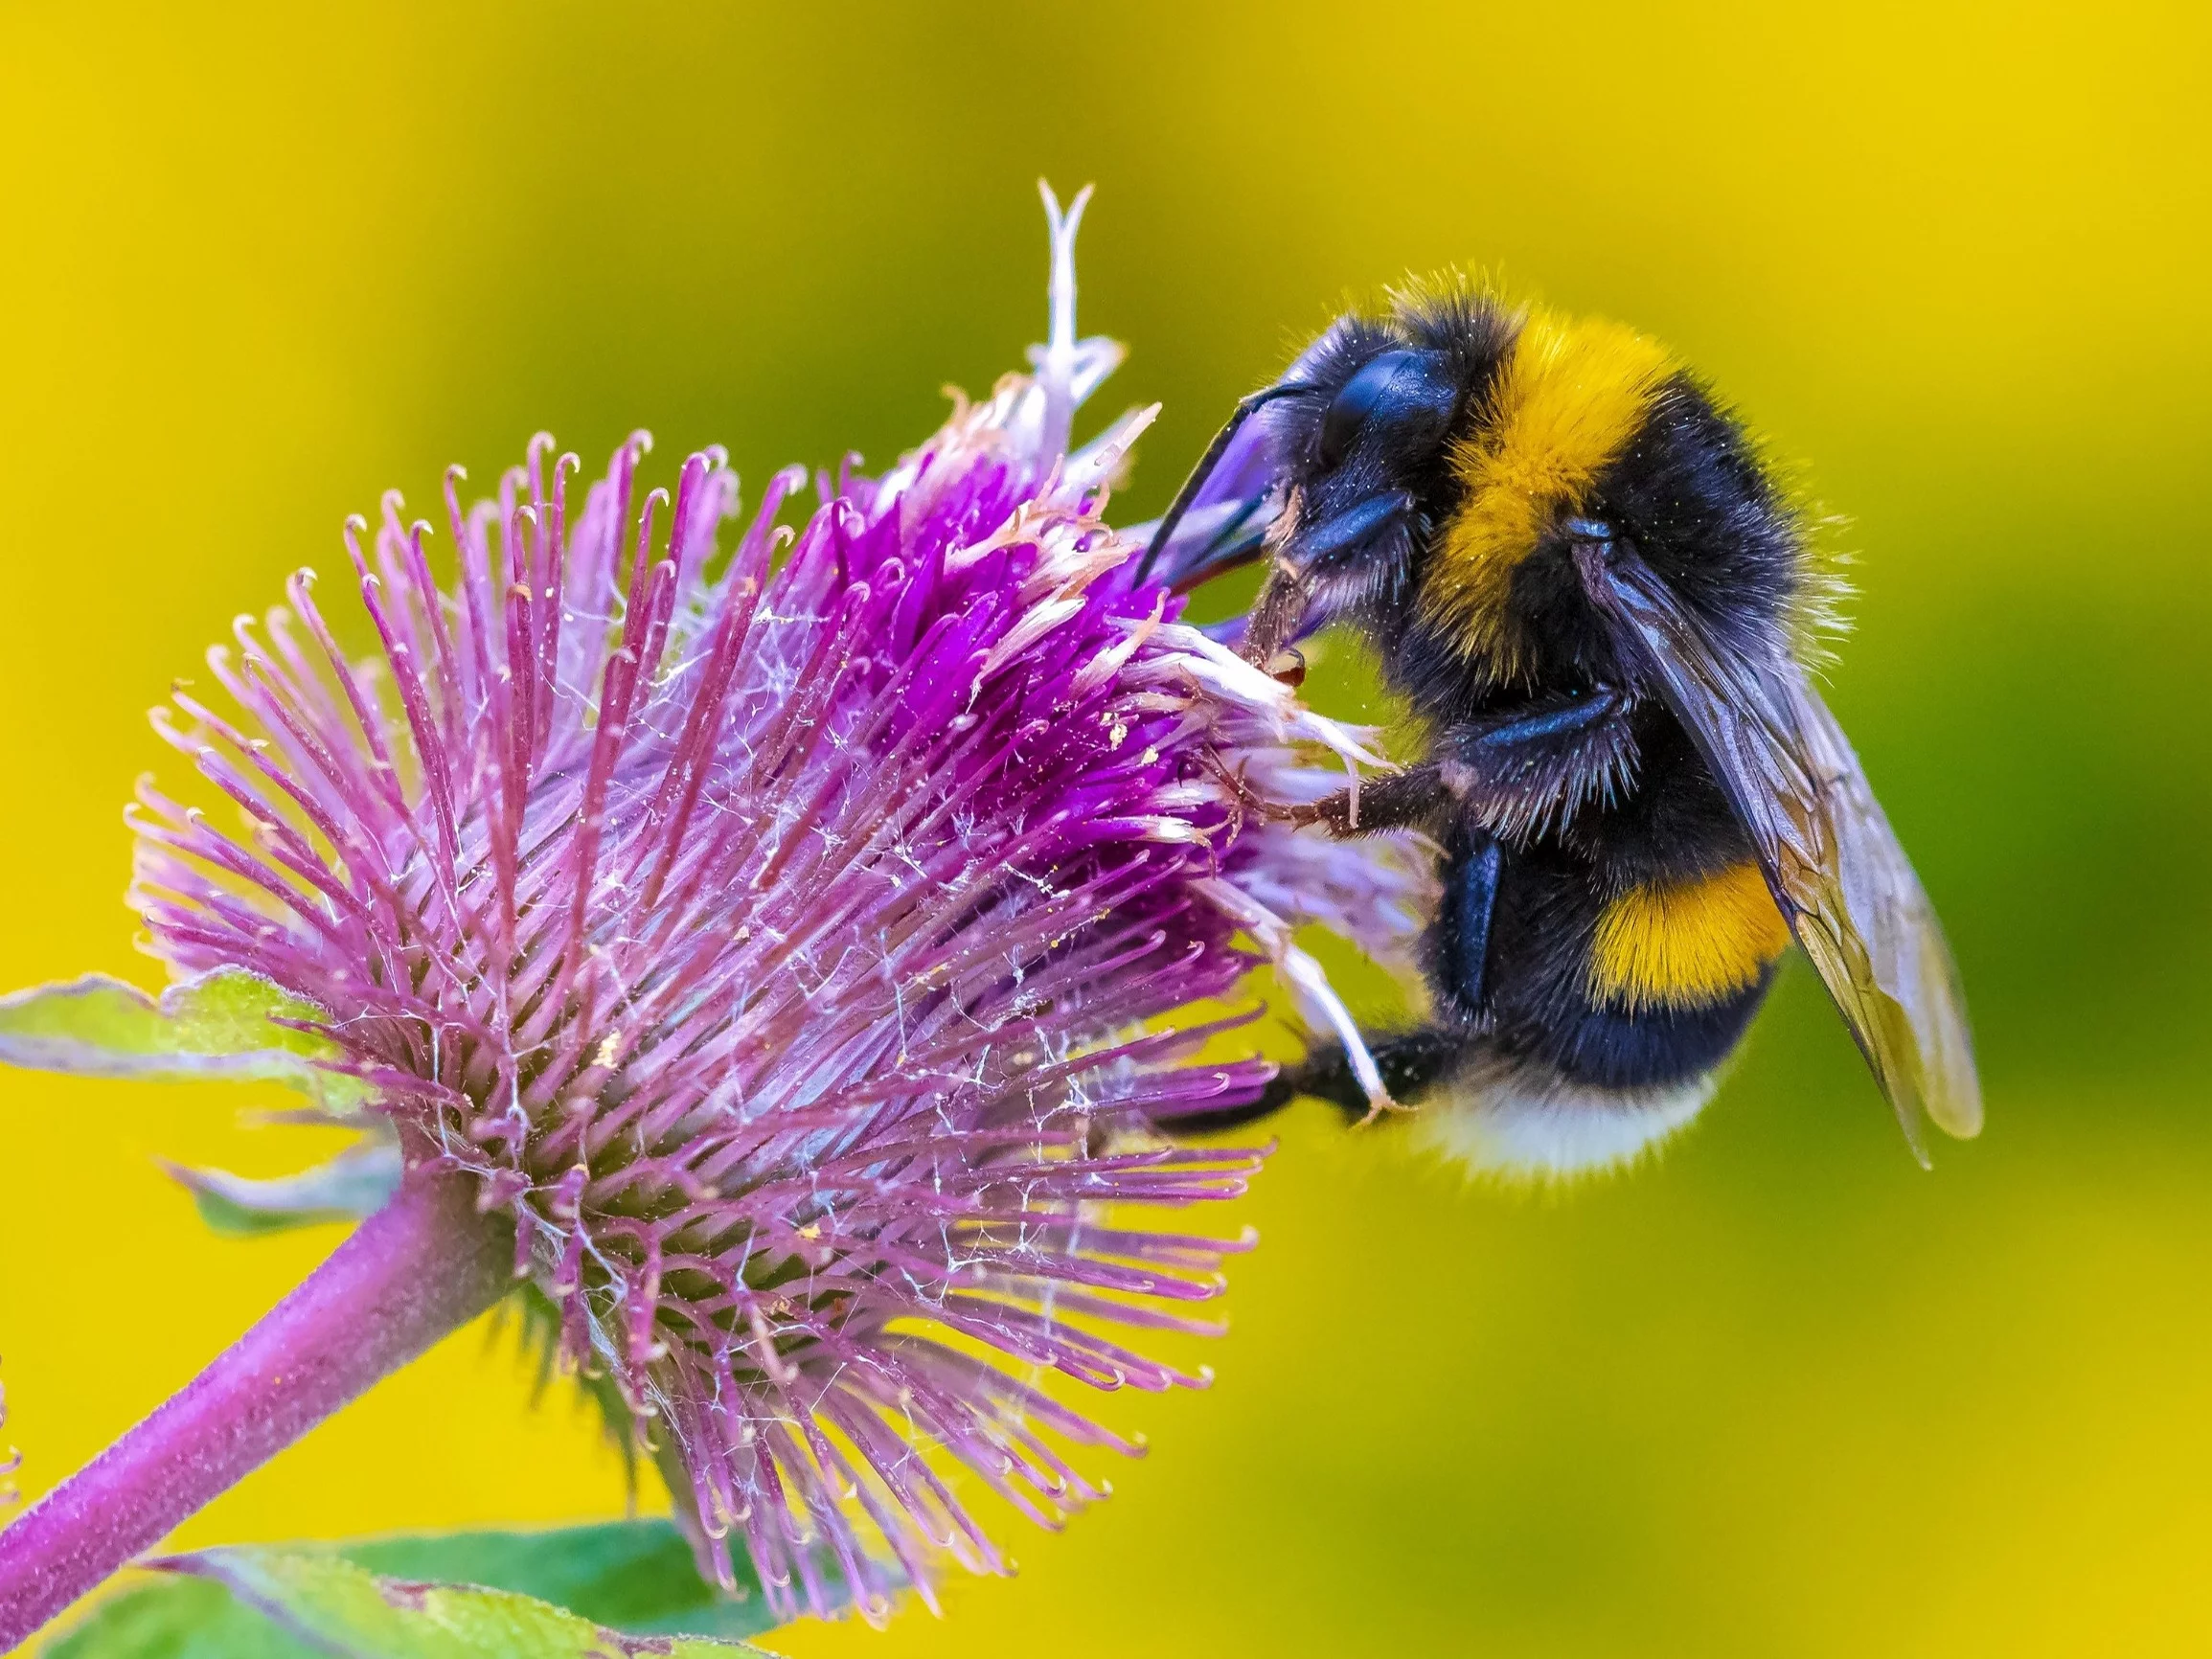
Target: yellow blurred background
1780 1393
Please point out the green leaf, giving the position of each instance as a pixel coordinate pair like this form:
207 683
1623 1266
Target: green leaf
176 1618
631 1577
321 1604
635 1576
219 1025
350 1187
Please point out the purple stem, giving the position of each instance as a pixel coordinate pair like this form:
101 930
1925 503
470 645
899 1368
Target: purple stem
424 1264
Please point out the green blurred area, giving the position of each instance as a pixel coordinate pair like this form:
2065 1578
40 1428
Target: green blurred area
1779 1391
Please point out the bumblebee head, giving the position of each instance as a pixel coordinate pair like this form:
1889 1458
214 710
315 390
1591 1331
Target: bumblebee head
1365 436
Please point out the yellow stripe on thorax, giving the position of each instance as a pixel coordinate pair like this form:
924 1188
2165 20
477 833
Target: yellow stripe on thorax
1567 401
1686 944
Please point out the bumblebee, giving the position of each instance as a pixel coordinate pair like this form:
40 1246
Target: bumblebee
1598 603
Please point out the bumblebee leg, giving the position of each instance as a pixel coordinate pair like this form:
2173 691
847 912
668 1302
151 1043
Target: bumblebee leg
1410 1061
1415 799
1544 725
1275 613
1317 557
1514 775
1458 940
1530 772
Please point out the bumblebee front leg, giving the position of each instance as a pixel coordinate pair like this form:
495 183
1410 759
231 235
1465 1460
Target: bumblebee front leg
1276 611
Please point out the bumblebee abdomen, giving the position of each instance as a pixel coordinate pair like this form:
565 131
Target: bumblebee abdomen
1649 988
1685 945
1612 1048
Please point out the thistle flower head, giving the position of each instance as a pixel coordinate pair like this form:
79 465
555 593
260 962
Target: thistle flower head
784 937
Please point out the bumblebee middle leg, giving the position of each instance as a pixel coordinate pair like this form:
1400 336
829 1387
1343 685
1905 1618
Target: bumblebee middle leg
1517 774
1414 798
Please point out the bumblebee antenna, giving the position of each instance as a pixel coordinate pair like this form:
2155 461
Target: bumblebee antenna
1181 505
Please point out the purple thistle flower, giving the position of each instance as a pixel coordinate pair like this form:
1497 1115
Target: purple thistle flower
784 939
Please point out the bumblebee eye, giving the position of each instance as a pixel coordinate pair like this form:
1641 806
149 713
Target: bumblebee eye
1352 406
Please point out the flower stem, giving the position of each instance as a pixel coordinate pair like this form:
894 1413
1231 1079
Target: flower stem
424 1264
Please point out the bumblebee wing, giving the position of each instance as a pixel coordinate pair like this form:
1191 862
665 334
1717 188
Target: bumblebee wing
1830 856
1866 923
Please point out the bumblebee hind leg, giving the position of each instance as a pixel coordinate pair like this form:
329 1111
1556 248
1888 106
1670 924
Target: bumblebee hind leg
1514 1120
1410 1062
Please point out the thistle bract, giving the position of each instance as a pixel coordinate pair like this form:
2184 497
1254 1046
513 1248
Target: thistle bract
781 935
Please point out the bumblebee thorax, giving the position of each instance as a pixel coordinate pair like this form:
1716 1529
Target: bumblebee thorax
1569 400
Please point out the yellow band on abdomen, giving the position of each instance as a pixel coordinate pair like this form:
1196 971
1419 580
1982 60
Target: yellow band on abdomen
1687 945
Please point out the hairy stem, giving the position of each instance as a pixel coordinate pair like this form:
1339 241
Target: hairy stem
424 1264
